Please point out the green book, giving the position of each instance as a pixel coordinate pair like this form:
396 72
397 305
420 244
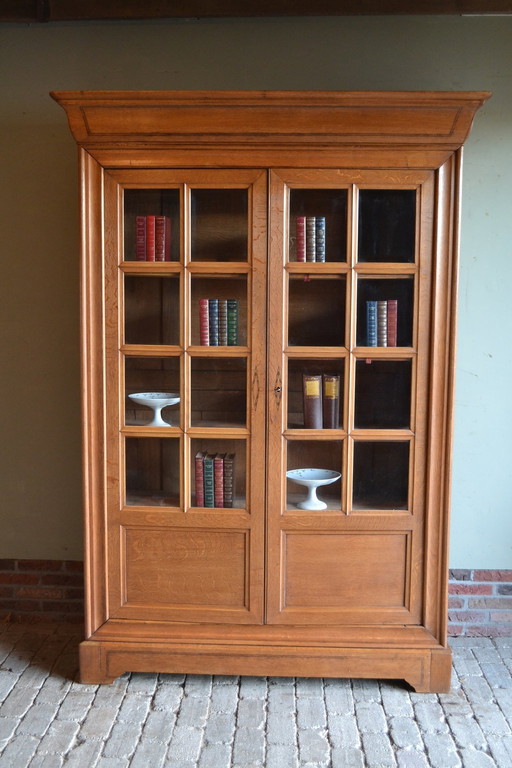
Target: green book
232 322
209 485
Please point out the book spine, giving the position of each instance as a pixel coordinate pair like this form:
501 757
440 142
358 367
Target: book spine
382 323
150 238
199 475
223 322
300 225
320 238
232 322
229 480
312 396
392 322
310 238
331 401
213 320
162 238
371 323
209 493
140 238
204 325
218 482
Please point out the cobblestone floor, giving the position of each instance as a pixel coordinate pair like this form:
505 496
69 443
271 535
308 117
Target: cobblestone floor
48 720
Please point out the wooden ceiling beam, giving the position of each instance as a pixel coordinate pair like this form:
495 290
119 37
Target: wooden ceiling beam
121 10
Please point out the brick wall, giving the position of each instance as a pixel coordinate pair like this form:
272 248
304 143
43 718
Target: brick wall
480 601
41 590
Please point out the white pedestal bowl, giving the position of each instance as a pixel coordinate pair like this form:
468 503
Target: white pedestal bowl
311 479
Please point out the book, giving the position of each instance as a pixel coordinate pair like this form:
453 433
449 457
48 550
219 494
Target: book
300 231
162 238
218 322
392 322
310 238
209 480
199 477
213 321
140 238
331 400
371 323
218 479
312 398
204 323
320 238
229 479
382 323
150 237
232 309
223 322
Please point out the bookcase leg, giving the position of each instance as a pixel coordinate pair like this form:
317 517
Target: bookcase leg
92 664
439 679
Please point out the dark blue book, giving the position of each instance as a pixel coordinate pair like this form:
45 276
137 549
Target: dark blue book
320 238
371 323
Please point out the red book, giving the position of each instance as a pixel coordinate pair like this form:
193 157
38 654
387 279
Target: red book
392 322
204 323
199 474
312 391
140 238
150 238
218 479
301 238
162 238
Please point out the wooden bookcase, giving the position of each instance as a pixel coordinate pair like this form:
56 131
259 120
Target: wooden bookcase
261 583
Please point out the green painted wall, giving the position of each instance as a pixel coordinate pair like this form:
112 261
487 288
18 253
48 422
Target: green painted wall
39 399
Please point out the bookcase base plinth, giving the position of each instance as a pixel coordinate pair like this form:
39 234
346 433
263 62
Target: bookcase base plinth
425 670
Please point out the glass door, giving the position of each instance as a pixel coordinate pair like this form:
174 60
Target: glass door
185 333
348 370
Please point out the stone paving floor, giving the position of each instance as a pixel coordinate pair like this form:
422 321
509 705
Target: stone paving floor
49 720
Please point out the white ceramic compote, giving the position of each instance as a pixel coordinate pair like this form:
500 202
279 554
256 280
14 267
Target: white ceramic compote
311 479
157 401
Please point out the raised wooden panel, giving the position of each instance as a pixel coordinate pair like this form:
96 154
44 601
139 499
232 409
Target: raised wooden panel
214 117
184 568
326 572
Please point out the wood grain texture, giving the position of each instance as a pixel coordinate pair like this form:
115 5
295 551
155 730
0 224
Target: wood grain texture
357 589
270 117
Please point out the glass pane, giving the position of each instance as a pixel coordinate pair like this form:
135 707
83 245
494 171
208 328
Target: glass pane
152 310
315 394
219 226
381 475
218 392
385 312
383 394
153 471
152 225
152 391
218 473
318 225
313 474
219 311
316 311
387 220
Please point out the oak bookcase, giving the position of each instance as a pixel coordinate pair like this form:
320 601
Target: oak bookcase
258 584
